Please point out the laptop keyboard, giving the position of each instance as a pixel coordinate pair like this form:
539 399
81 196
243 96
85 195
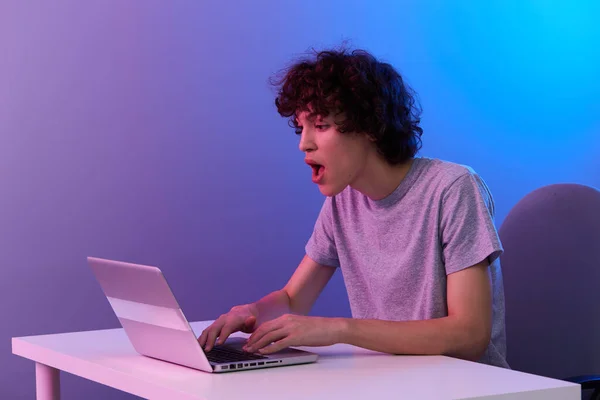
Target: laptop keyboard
224 354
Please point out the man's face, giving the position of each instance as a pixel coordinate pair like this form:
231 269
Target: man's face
337 159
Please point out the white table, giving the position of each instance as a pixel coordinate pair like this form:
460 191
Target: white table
342 372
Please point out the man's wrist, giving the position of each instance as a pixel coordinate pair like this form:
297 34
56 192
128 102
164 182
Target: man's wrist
340 329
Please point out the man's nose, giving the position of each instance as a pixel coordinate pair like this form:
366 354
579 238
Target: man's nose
306 143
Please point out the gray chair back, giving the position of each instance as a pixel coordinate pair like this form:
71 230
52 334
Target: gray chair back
551 270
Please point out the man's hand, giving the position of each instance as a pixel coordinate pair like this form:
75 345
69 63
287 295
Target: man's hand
294 330
240 318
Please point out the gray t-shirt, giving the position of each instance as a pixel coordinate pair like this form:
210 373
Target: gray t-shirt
395 253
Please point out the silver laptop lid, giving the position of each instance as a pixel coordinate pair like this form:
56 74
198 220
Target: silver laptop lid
149 313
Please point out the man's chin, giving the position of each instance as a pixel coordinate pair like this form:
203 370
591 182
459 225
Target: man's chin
330 191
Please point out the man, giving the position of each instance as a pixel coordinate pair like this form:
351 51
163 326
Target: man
414 237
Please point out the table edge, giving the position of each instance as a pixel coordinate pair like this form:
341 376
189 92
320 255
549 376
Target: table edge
90 371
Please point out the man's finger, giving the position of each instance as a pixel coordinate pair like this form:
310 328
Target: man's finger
225 332
213 332
278 345
267 339
264 329
202 338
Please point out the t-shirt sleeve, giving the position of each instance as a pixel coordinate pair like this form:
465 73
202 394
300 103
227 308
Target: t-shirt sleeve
321 245
468 233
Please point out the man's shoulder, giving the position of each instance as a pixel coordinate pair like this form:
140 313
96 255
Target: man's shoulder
444 172
459 178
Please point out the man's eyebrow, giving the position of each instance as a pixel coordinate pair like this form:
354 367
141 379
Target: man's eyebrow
315 118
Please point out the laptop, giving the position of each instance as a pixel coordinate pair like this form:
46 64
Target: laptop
156 327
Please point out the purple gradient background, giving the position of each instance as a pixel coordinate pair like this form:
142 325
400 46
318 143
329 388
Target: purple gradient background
145 131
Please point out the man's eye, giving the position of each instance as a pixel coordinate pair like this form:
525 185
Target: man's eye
298 130
321 127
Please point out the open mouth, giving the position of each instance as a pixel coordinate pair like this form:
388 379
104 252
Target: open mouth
317 172
316 168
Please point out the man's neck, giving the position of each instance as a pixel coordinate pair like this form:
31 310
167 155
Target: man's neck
380 179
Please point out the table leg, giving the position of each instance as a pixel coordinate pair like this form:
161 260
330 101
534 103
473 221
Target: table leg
47 382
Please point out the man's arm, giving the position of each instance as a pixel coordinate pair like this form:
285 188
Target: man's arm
297 297
465 333
299 294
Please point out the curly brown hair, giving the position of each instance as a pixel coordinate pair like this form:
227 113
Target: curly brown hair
371 94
